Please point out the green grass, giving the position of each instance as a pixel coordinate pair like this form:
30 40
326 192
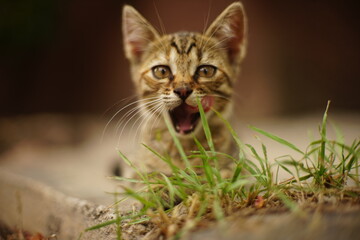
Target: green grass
325 164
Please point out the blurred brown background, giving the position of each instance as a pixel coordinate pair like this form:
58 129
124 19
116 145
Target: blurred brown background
63 56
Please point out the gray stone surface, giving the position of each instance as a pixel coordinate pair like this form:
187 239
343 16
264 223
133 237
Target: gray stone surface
28 205
330 225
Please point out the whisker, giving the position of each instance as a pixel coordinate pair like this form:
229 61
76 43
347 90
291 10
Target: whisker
160 111
143 113
217 44
158 117
123 128
206 23
220 96
150 41
152 113
146 112
127 99
162 26
212 33
137 108
112 118
138 111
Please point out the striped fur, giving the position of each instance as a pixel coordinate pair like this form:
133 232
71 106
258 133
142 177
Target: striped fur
187 60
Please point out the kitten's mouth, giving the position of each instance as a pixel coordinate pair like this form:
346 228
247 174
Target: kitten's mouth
186 117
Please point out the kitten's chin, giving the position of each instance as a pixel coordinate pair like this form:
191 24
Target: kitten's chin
185 117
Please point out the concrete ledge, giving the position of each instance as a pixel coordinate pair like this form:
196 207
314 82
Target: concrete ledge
32 206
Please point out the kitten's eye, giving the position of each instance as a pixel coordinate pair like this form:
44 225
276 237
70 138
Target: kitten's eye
161 72
206 71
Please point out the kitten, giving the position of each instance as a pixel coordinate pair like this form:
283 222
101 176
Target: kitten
171 71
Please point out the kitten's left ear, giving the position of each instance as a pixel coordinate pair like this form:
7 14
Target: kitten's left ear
138 33
230 29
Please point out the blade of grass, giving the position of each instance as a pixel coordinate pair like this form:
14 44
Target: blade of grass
128 162
209 139
218 210
277 139
321 158
206 166
171 189
288 202
237 184
112 221
101 225
205 126
285 168
237 172
177 143
132 180
138 197
118 218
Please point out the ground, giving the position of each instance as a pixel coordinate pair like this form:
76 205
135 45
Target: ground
67 154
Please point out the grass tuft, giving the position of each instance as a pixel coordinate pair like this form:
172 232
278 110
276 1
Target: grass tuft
178 202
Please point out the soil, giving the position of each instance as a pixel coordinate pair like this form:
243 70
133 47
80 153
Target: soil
323 221
322 216
333 223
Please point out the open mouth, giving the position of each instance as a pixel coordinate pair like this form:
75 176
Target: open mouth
185 117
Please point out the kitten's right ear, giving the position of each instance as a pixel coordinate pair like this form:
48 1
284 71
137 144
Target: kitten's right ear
138 33
230 30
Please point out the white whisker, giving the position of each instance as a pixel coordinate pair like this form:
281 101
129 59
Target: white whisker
137 110
150 114
119 111
219 96
205 24
162 26
217 44
144 116
127 99
158 117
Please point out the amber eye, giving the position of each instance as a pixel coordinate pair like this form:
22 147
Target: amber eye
206 71
161 72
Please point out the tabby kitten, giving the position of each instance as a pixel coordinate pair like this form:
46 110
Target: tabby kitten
171 71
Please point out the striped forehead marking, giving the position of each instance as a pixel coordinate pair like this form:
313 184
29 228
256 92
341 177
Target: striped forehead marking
183 43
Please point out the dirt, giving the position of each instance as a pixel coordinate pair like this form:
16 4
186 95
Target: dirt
320 216
339 223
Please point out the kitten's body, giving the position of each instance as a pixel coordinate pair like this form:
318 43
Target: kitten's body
171 71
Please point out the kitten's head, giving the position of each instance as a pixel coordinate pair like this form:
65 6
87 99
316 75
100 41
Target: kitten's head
171 71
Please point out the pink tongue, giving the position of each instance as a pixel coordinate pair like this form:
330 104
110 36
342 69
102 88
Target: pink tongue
206 103
186 124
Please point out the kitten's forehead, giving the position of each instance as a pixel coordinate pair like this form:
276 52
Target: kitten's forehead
183 42
174 50
184 54
183 49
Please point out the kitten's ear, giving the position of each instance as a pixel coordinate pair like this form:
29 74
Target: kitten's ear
138 33
230 29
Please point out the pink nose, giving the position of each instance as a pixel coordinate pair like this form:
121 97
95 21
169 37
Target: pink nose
183 92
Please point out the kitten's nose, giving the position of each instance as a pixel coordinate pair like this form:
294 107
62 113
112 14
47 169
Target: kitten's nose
183 92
